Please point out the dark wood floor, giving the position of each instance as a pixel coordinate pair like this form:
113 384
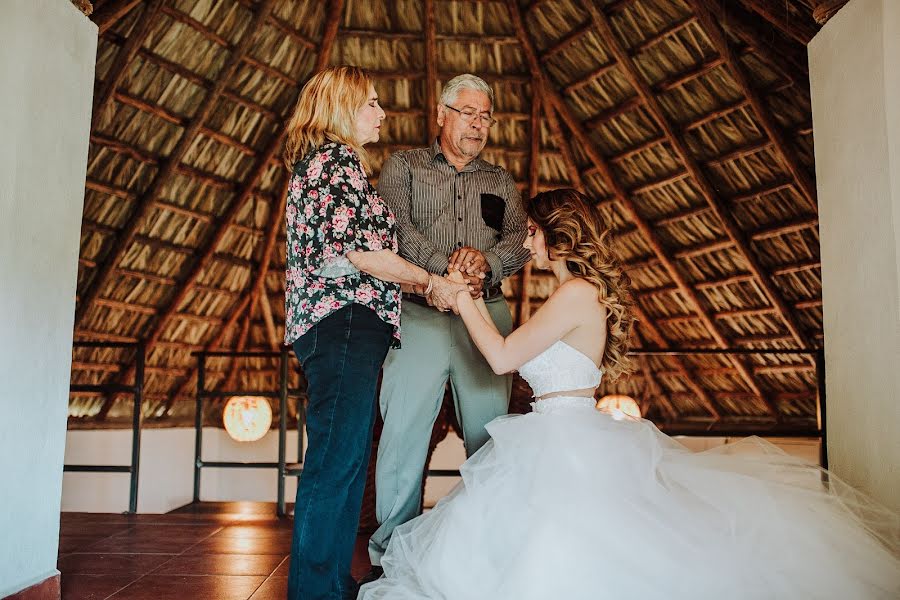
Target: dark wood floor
212 550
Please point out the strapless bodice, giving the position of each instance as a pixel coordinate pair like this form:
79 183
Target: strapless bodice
560 368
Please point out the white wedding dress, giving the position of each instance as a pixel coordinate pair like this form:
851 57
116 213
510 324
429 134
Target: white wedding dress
568 502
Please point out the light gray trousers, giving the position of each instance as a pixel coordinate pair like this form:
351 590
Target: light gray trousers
436 346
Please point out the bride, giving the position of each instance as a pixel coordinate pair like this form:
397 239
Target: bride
568 502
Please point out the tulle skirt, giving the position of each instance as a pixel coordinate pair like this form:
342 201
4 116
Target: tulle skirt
571 503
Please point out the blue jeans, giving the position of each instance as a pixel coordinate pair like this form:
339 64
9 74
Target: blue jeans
341 357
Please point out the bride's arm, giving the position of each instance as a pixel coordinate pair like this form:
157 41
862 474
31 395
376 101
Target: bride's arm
556 318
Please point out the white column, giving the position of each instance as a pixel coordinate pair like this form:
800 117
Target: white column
855 86
47 57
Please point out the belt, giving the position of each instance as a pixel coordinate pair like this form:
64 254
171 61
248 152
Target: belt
491 293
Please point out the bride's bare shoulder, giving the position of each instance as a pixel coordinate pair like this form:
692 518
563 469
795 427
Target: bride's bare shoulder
579 298
578 290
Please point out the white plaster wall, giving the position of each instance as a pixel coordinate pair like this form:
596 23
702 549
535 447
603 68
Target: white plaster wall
166 479
855 87
47 56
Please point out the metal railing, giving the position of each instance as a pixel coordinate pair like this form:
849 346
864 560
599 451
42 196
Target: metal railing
284 468
137 391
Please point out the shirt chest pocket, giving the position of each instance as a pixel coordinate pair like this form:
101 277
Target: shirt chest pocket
428 203
492 209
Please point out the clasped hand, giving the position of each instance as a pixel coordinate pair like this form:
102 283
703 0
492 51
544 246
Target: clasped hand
465 272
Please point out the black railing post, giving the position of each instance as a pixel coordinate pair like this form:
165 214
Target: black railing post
136 390
136 420
198 423
820 407
282 427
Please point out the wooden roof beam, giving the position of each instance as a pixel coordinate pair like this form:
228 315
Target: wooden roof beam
782 57
550 95
662 34
125 55
196 79
145 203
215 38
146 157
431 76
414 36
176 119
240 346
565 149
201 81
523 308
797 267
796 27
330 29
577 130
110 12
283 26
567 40
236 313
804 181
257 289
823 10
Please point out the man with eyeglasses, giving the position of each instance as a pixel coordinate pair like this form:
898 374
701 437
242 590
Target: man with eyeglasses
454 211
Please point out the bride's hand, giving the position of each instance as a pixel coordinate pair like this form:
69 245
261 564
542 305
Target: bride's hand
456 276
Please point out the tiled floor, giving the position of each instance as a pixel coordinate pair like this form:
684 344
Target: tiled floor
215 551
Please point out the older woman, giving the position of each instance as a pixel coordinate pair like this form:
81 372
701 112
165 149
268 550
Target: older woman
342 313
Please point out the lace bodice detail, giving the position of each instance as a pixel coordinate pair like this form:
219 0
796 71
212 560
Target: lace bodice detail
560 368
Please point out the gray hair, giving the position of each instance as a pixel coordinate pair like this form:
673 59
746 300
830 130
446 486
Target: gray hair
466 81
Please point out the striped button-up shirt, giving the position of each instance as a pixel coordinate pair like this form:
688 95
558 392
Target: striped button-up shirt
440 209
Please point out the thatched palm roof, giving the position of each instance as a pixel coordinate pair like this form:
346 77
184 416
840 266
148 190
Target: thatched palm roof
687 120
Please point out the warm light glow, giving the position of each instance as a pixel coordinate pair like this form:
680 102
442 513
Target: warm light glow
247 418
620 407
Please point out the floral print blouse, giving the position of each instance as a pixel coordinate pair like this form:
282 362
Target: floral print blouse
333 209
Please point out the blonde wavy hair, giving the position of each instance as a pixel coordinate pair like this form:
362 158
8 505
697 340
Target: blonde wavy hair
574 231
326 112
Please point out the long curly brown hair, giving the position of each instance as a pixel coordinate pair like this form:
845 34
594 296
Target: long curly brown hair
575 232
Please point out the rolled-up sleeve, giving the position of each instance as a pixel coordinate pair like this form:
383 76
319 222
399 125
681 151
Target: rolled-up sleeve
507 256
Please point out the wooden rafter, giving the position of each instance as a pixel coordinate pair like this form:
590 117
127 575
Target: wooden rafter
654 389
147 201
256 290
261 167
259 297
804 181
110 12
123 58
431 77
648 329
795 26
240 346
785 58
577 130
239 309
258 287
823 10
565 149
523 308
566 41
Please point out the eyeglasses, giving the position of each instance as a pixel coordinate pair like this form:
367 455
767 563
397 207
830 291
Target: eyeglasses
468 115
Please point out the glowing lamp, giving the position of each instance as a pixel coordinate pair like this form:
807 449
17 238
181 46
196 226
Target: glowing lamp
620 407
247 418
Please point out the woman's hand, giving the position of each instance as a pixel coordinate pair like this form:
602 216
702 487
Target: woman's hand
475 282
443 293
456 276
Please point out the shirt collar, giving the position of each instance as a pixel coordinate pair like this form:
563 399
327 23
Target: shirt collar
479 164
